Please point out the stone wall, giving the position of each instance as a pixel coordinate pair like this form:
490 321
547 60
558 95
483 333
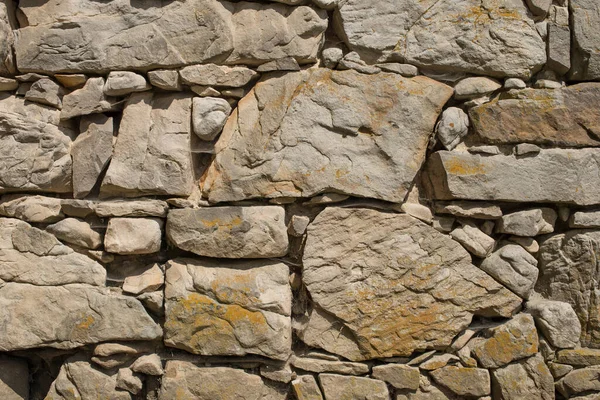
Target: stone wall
336 200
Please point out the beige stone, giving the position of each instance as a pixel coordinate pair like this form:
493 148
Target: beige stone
133 235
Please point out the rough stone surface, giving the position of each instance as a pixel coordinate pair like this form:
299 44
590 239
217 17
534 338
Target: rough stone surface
306 388
435 34
462 175
121 83
586 40
239 308
526 379
514 267
339 387
557 321
532 222
165 79
473 239
471 88
209 115
311 141
397 375
90 99
131 208
230 232
468 209
585 219
579 357
45 91
31 208
390 251
463 381
337 367
77 232
150 280
215 75
149 365
133 235
452 127
579 381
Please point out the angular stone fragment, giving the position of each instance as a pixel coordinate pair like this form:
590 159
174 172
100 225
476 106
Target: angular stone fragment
185 380
305 388
14 378
471 88
339 387
149 281
91 152
7 24
400 272
559 45
297 225
131 208
152 152
558 117
336 367
436 362
579 357
209 115
133 235
237 308
126 380
165 79
585 219
71 81
511 341
514 267
585 62
281 64
452 127
472 382
77 232
557 321
90 99
121 83
31 208
469 209
473 239
398 375
8 84
30 255
230 232
462 175
216 75
569 272
353 61
148 365
579 381
45 91
314 131
456 35
70 316
406 70
526 379
158 35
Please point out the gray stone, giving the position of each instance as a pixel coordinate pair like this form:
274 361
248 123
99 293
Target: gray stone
539 7
297 225
339 387
150 364
398 375
463 381
7 24
469 209
236 308
351 258
548 84
456 35
514 267
133 235
324 131
514 83
90 99
569 273
581 357
332 56
165 79
523 149
152 152
472 88
209 115
281 64
473 239
77 232
585 62
126 380
230 232
14 378
528 243
526 379
37 209
452 127
559 45
443 224
45 91
557 321
579 381
461 175
353 61
131 208
121 83
148 281
8 84
406 70
336 367
91 152
306 388
585 219
217 75
70 316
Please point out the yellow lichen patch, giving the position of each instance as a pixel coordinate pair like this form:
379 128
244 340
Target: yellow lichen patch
220 224
457 166
235 288
86 323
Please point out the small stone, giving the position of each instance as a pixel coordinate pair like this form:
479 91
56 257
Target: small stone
489 150
31 208
154 301
235 93
421 358
557 321
559 370
306 388
465 357
559 45
487 227
45 91
133 235
148 365
77 232
542 29
326 198
126 380
471 88
111 349
443 224
452 127
585 219
90 99
165 79
209 115
339 387
397 375
528 243
216 75
537 221
439 361
523 149
337 367
71 81
406 70
77 208
352 61
121 83
514 83
547 84
8 84
463 381
579 357
514 267
14 378
332 56
469 209
418 211
511 341
149 281
131 208
277 373
205 91
526 379
281 64
297 225
30 77
473 239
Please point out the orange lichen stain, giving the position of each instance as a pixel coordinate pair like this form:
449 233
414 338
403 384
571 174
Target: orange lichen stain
341 172
86 323
234 289
456 166
236 221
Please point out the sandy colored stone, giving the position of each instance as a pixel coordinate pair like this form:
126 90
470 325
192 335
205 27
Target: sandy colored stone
150 364
526 379
305 387
236 308
557 321
531 222
216 75
90 99
361 262
45 91
77 232
316 131
581 357
209 115
165 79
463 381
579 381
585 219
148 281
469 209
339 387
31 208
336 367
514 267
121 83
131 208
398 375
473 239
133 235
472 88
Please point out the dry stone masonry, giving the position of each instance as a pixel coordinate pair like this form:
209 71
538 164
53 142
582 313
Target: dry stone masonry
299 199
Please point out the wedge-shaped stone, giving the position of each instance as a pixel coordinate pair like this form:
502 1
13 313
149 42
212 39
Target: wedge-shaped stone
69 316
238 308
496 38
387 285
34 148
557 117
230 232
557 321
554 175
30 255
569 272
526 379
579 381
147 34
514 267
585 55
152 152
314 131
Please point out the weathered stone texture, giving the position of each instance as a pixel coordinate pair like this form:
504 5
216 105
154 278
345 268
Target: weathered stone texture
586 37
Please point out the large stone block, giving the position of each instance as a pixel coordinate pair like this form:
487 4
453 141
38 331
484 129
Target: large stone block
496 38
303 133
236 308
149 34
387 285
585 56
551 176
